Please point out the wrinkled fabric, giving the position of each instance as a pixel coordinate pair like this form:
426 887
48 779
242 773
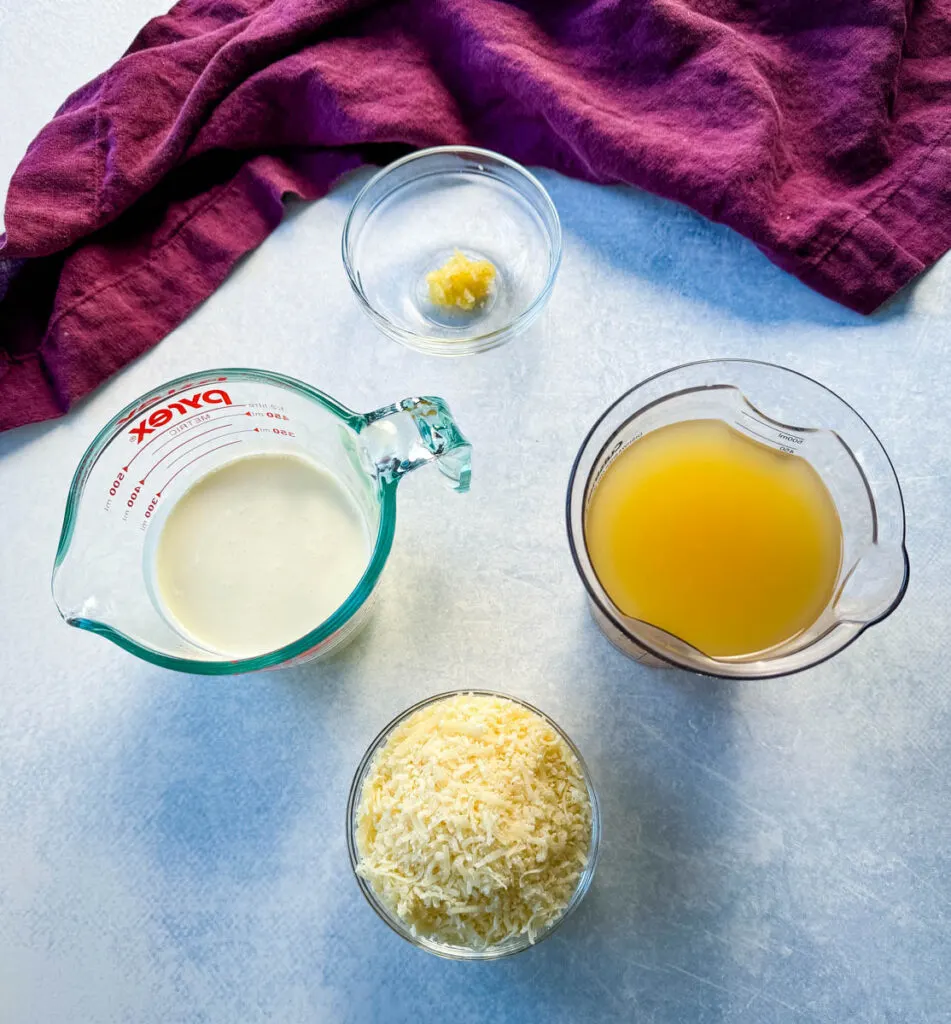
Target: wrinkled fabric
817 129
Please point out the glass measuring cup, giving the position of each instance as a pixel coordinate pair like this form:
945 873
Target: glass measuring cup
151 452
793 414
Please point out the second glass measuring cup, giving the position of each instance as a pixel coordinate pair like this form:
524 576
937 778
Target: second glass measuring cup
151 453
790 414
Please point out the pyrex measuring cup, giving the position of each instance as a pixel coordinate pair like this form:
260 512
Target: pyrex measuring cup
148 455
794 414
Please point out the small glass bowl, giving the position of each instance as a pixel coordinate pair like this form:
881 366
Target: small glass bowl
409 220
448 952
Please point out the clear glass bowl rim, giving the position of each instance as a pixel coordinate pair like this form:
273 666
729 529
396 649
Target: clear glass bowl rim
610 613
478 342
459 952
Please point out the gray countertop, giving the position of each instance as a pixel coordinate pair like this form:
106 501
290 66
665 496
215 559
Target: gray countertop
172 847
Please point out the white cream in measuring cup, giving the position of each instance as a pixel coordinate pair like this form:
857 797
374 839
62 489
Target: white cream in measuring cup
236 520
256 552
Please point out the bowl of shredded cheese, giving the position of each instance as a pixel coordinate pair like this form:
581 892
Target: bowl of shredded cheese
473 825
452 250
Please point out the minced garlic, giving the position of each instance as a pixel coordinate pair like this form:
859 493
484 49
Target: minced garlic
460 282
474 823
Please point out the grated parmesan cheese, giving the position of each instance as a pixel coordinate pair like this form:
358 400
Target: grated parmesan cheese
474 822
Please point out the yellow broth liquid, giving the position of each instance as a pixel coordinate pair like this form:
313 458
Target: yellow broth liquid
725 542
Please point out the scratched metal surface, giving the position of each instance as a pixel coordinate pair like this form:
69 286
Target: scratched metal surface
172 848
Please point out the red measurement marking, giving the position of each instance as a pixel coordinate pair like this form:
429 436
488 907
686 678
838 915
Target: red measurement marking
158 494
179 458
191 437
203 412
210 413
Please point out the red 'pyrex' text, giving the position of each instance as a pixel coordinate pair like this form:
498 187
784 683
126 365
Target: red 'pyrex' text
159 418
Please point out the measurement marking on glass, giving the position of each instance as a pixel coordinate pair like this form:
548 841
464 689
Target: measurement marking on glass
191 437
771 441
756 433
181 469
158 494
204 412
137 489
137 486
184 428
792 438
178 458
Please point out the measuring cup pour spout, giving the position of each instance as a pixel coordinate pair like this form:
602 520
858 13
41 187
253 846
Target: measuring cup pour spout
153 451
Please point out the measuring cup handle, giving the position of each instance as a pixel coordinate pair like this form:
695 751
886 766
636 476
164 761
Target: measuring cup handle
402 437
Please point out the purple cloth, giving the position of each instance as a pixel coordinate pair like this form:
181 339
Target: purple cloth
817 128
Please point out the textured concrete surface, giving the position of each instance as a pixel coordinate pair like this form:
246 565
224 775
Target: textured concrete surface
172 848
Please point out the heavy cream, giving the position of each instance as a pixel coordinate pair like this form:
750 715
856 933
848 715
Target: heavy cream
258 553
